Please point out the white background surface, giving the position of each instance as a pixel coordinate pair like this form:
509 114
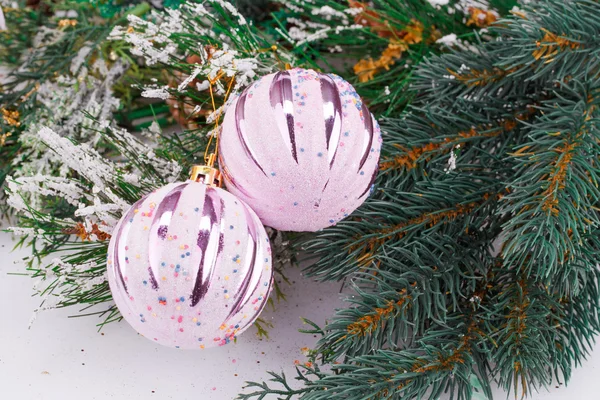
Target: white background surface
62 358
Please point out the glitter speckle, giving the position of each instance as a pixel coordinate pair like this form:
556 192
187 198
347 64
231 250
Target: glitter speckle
172 297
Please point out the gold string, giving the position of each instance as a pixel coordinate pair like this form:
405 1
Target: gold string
209 157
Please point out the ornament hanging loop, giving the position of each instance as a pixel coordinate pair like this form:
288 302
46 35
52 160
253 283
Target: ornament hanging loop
207 174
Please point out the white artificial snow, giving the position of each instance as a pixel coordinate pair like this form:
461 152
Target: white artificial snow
104 210
468 46
64 102
184 84
20 188
133 179
297 34
154 128
452 40
516 9
152 41
204 85
169 170
353 11
438 3
246 71
328 13
99 66
66 14
156 93
47 36
231 8
465 7
306 24
197 9
322 33
212 117
19 231
448 40
291 6
79 59
452 160
62 142
2 21
222 59
149 40
81 158
196 109
51 285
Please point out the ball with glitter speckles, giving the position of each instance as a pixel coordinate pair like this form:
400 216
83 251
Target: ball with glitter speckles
301 148
189 266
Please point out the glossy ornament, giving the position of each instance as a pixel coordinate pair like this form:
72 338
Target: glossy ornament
189 266
300 148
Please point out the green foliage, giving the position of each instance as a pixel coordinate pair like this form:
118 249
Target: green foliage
78 277
45 46
121 168
476 255
338 40
21 26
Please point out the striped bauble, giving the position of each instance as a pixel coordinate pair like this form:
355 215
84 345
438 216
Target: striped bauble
301 148
189 266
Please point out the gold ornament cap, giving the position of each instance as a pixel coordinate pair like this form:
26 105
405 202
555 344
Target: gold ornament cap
207 174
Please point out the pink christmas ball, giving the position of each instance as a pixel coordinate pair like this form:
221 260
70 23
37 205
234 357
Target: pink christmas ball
189 266
301 148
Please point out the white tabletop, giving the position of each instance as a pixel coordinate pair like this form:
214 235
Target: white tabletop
62 358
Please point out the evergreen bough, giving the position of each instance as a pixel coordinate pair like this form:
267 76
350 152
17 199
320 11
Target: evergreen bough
476 259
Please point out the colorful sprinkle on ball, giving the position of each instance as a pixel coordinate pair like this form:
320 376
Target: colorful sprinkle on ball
214 302
317 134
